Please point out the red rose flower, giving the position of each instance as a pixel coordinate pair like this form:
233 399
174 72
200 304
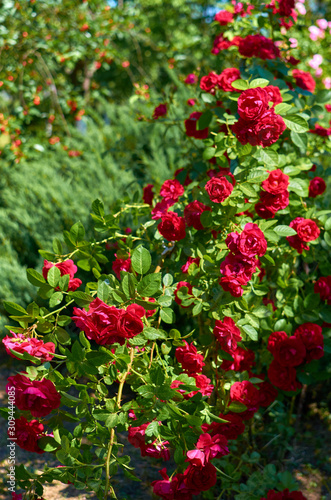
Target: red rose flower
27 434
252 103
172 227
274 94
276 183
171 190
65 267
190 260
128 324
245 393
192 213
224 17
228 76
283 377
323 287
304 80
285 7
191 79
269 204
39 397
180 285
34 347
311 336
160 110
233 285
227 334
100 322
119 265
161 208
269 128
209 82
243 360
267 394
200 478
230 430
252 241
258 46
188 356
274 340
307 230
191 127
316 186
203 384
238 266
290 352
218 189
148 194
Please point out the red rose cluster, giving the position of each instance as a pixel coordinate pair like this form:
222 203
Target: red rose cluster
223 17
39 397
65 267
200 475
156 449
223 81
34 347
258 124
258 46
222 43
238 266
106 324
302 347
192 363
323 287
307 230
284 495
275 195
192 214
28 433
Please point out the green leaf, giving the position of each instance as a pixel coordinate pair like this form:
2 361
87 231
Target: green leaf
98 208
244 150
207 98
323 96
328 224
251 332
300 140
248 190
103 291
240 84
284 230
282 108
327 238
81 298
64 282
154 334
167 315
296 123
62 336
128 285
269 156
299 186
258 82
204 120
34 277
209 153
77 232
152 429
55 299
141 260
47 443
53 276
197 309
15 309
168 279
57 246
237 407
149 285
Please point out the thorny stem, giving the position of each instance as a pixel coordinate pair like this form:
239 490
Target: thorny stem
112 432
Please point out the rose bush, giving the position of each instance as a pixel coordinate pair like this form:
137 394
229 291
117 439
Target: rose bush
211 310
